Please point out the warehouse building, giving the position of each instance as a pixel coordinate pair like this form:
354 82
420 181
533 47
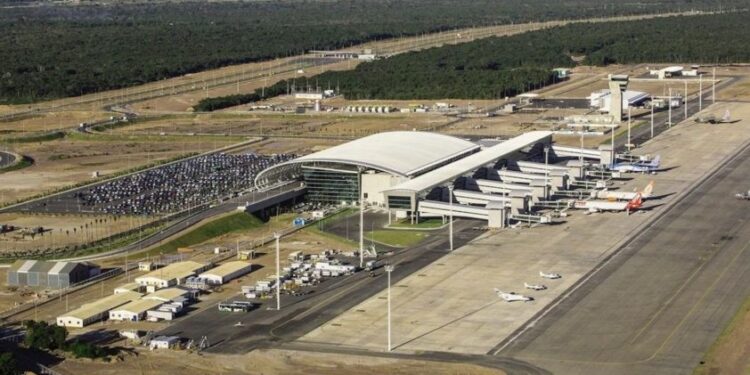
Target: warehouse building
95 311
171 295
226 272
54 275
129 287
171 275
135 310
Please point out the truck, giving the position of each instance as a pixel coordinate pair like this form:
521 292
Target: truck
744 196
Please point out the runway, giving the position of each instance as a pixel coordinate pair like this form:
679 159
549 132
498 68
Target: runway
661 302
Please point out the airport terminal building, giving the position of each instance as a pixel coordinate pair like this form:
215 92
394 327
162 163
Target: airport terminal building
385 160
398 169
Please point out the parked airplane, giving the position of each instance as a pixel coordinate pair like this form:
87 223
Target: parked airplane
550 275
711 119
535 286
644 167
623 195
600 205
512 297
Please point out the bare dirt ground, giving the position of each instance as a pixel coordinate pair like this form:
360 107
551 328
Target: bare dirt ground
62 229
321 124
45 122
731 352
186 101
266 362
300 146
10 296
69 161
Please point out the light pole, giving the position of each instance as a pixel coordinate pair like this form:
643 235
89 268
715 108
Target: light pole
546 172
630 145
686 100
450 216
277 236
669 106
700 92
652 117
388 270
361 221
713 87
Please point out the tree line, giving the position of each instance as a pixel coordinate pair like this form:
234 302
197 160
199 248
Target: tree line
52 51
498 67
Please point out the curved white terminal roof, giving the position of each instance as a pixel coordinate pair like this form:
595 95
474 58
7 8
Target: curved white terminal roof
402 153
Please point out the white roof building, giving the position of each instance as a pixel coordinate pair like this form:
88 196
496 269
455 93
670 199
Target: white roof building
135 310
168 294
226 272
173 274
95 311
602 99
386 158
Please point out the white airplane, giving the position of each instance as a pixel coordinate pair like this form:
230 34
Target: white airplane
600 205
639 166
512 297
535 286
623 195
550 275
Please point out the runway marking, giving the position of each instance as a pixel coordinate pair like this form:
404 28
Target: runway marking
628 239
695 305
669 301
669 337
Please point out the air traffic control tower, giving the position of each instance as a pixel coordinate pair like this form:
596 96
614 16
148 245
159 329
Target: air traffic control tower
618 83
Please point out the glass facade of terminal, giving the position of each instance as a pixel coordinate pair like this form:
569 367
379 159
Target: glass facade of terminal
331 183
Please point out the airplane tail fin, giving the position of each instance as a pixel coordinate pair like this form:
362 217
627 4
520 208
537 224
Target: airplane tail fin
648 190
657 160
635 203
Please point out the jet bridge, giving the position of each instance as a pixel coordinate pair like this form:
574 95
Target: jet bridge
437 208
495 213
517 204
492 186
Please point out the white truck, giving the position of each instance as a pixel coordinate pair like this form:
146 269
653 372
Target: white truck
745 195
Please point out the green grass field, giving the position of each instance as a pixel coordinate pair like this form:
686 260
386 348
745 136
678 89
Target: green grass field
430 223
25 162
396 238
231 223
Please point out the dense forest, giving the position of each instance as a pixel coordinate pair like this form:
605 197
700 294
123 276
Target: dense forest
503 66
52 51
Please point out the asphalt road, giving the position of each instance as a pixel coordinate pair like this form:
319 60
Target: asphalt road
6 159
301 314
658 305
